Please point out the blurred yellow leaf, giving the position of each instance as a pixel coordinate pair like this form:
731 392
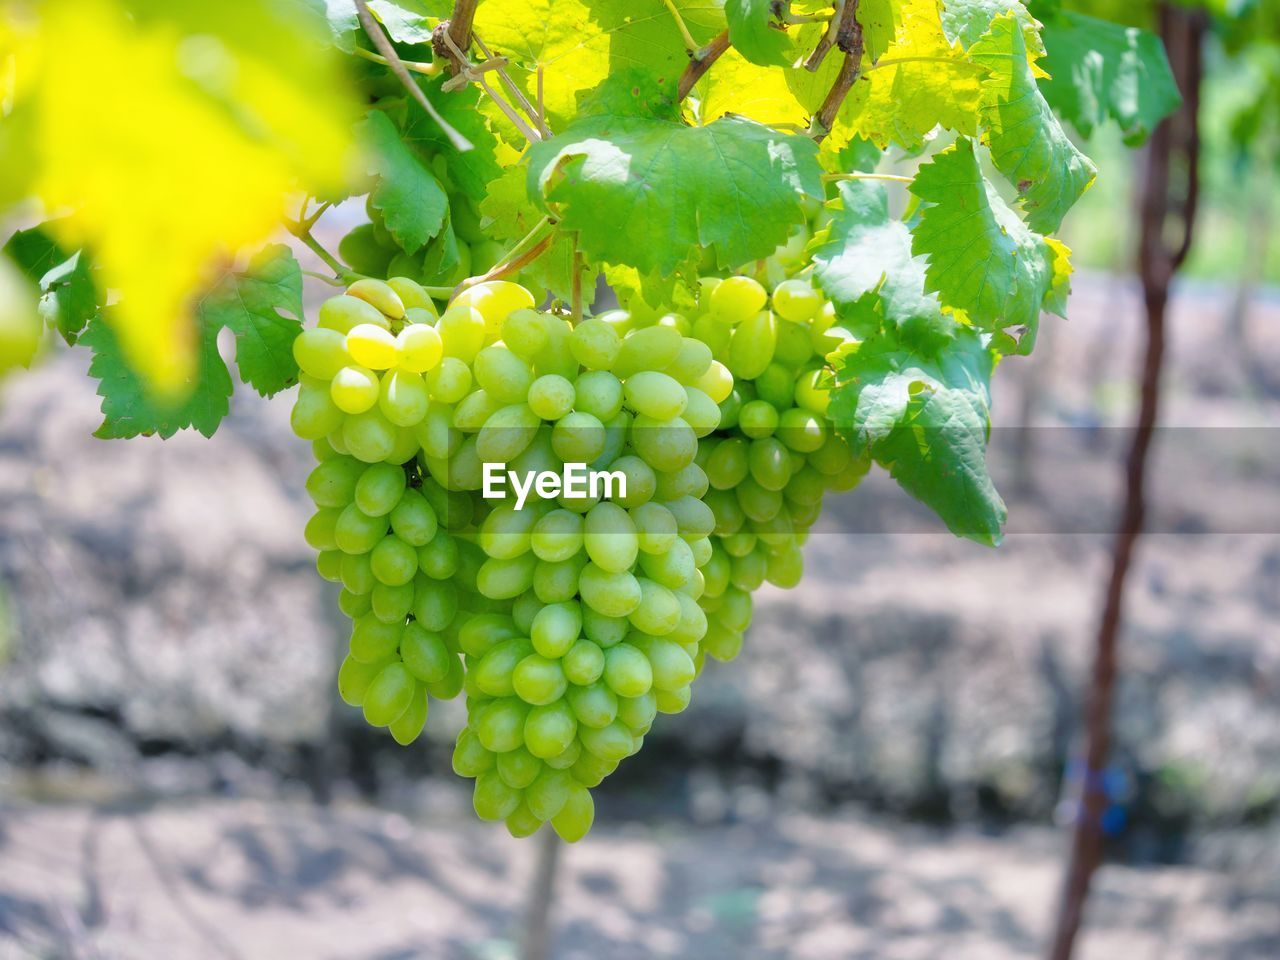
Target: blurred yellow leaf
170 134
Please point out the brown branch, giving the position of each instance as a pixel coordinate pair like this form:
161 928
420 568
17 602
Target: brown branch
828 40
451 38
1174 140
701 63
397 66
511 266
849 38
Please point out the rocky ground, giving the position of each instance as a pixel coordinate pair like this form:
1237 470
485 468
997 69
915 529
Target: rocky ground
165 629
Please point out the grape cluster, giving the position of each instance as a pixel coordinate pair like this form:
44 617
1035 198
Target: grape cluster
775 453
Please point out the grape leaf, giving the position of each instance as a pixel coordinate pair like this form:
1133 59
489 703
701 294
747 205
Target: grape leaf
199 124
410 198
922 81
862 259
927 422
1100 71
68 296
1027 143
470 171
879 19
344 23
643 191
756 33
737 86
261 306
965 21
983 259
408 20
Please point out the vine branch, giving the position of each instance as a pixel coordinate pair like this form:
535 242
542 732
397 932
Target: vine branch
828 40
456 33
700 63
467 71
500 270
849 38
397 66
890 177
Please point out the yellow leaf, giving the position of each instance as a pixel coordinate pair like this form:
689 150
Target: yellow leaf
171 137
735 85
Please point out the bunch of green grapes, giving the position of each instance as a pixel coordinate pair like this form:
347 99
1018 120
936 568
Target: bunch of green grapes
600 628
775 454
378 522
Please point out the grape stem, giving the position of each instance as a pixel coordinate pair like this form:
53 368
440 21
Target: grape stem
332 281
700 63
891 177
575 302
828 40
536 115
465 68
397 66
457 30
894 61
690 44
849 38
426 69
500 270
302 231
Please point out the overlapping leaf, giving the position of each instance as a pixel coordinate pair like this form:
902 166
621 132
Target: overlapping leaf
926 421
757 34
262 307
471 171
1100 71
642 191
983 260
1027 144
965 21
410 198
68 297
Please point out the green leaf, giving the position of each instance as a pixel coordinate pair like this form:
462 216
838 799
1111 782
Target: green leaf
965 21
879 19
1027 143
473 170
68 296
262 307
757 34
410 198
644 191
927 422
408 20
1100 71
862 260
344 23
922 82
983 260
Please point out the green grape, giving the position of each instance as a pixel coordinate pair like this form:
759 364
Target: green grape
811 395
693 517
451 685
320 352
403 398
506 579
757 502
701 412
748 572
641 481
612 594
801 430
361 251
507 433
475 410
672 668
739 544
785 568
689 481
722 643
481 633
795 348
655 395
408 727
329 565
449 381
728 465
770 464
502 374
320 529
584 663
556 628
525 333
736 299
355 677
345 312
673 568
833 457
805 486
404 449
550 729
494 671
610 538
439 558
425 653
551 397
716 383
557 535
524 609
393 561
462 332
548 793
665 445
594 706
389 695
412 295
470 758
638 712
354 605
436 433
627 671
500 724
357 531
674 701
519 768
557 582
752 346
495 300
578 438
492 798
333 482
692 362
538 680
590 770
776 386
391 603
595 344
372 346
598 393
506 532
369 436
379 294
652 348
796 300
357 574
314 414
379 489
611 743
413 520
658 612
